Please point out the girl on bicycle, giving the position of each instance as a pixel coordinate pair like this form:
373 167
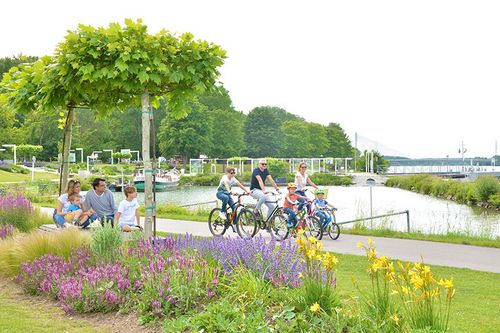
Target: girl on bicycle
224 190
319 204
291 201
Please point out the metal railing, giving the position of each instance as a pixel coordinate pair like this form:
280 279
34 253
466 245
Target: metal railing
201 203
407 212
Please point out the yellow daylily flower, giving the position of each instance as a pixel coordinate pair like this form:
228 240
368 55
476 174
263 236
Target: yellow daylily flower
396 319
315 308
360 244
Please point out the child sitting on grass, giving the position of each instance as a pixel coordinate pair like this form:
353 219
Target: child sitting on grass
290 204
128 211
75 215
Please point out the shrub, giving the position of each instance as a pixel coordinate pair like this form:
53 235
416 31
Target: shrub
494 200
486 186
106 242
17 211
200 180
328 179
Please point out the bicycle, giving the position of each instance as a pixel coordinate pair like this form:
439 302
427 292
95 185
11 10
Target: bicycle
306 220
331 226
276 223
240 216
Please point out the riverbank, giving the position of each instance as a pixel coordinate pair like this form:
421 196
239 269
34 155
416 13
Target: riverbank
483 192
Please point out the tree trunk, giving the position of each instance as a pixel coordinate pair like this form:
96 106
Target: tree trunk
66 148
148 173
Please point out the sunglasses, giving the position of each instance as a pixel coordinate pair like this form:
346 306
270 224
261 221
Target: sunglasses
303 167
232 173
263 164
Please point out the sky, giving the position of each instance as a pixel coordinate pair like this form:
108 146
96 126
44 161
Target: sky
412 78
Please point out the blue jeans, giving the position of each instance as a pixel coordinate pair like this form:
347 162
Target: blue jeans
301 200
292 217
58 219
323 217
226 199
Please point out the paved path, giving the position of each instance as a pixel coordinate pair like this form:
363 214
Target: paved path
435 253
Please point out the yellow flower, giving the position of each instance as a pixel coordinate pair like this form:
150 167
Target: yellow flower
370 242
312 240
300 242
448 284
301 276
311 253
300 232
360 244
396 319
315 308
372 254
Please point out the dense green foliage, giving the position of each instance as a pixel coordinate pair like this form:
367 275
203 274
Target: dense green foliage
486 189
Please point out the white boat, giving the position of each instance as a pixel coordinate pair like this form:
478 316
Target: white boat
162 180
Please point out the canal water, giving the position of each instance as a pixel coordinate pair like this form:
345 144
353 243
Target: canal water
427 214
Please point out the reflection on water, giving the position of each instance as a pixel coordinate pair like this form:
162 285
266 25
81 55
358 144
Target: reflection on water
427 214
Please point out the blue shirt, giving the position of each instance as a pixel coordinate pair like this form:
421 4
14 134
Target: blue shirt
73 207
254 184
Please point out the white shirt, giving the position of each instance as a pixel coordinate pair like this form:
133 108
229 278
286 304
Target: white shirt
233 181
301 185
65 202
127 210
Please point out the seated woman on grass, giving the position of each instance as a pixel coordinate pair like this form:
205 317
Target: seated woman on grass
128 211
63 203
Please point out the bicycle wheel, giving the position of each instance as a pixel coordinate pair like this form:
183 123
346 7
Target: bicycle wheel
216 225
278 227
314 227
333 230
246 224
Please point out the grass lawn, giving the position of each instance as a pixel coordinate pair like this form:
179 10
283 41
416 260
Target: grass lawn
475 308
21 313
19 177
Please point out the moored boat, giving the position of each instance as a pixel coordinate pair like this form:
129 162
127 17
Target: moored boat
162 180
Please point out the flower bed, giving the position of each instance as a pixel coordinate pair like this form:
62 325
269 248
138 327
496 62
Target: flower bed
236 285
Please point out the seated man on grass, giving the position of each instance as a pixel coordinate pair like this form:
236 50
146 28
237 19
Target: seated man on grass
128 211
101 201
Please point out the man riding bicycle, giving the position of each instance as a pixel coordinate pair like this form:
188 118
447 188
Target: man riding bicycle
258 187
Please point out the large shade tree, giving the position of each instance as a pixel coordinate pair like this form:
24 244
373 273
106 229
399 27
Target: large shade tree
103 68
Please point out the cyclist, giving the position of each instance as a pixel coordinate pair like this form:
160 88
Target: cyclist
258 187
224 190
319 204
302 180
290 204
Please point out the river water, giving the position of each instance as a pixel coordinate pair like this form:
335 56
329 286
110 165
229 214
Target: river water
427 214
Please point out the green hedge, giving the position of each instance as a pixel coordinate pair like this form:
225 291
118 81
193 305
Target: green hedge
485 189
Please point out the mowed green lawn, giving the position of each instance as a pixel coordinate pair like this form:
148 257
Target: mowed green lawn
475 308
19 177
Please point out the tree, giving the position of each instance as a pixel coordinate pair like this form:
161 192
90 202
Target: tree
7 63
227 133
263 134
339 144
188 137
296 141
27 151
104 68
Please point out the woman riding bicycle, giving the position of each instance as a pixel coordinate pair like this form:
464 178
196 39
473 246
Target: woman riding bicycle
224 190
302 180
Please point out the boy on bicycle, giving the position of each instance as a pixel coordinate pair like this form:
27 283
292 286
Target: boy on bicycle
319 204
290 204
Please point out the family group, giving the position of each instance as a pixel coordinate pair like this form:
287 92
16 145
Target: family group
75 209
294 200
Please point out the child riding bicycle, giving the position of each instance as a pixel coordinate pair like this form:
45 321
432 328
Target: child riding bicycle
291 203
319 205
